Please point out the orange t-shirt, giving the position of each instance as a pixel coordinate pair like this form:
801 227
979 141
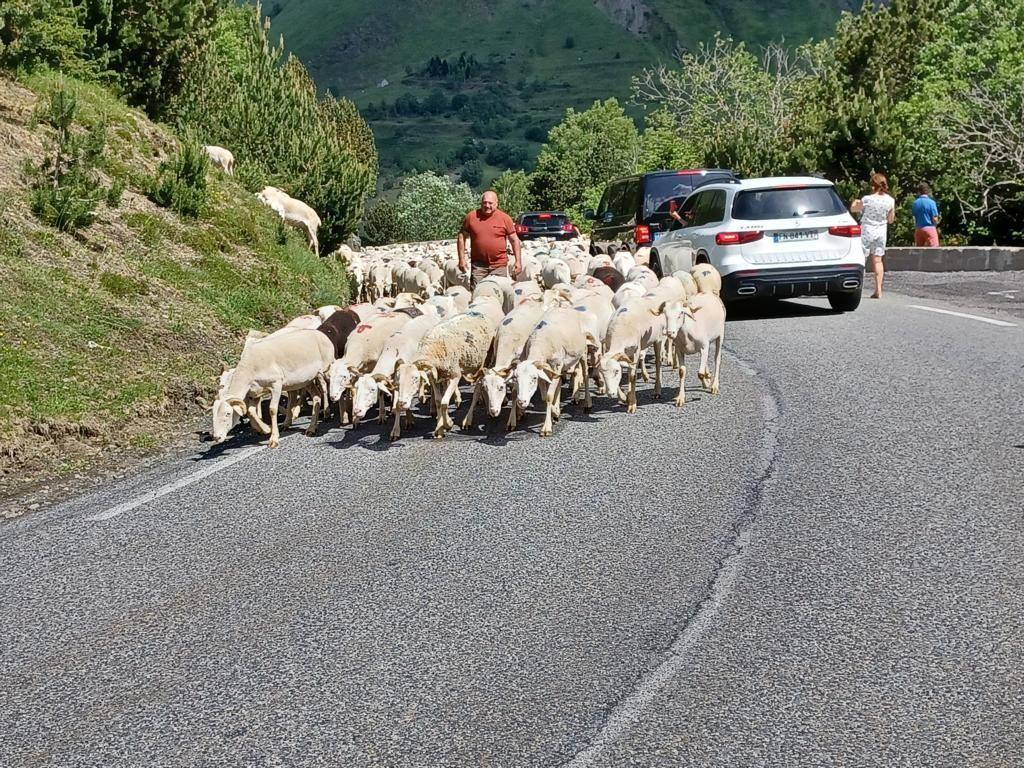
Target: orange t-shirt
487 237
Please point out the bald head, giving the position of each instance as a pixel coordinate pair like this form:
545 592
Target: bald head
488 202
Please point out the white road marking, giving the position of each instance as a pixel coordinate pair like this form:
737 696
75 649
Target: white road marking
988 320
163 490
1007 294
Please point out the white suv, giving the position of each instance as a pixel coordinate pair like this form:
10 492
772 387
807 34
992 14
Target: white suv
774 238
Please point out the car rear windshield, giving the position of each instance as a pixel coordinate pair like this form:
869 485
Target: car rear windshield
544 219
787 203
661 191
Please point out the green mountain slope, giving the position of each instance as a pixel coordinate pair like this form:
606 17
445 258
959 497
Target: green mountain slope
538 57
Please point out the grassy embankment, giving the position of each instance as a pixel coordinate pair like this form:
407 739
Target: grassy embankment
108 335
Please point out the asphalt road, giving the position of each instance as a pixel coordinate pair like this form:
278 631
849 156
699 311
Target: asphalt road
822 566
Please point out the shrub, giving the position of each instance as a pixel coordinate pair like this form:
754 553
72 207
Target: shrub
382 225
65 187
180 183
35 34
431 207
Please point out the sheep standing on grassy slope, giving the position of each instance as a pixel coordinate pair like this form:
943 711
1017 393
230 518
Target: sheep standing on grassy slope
221 158
294 212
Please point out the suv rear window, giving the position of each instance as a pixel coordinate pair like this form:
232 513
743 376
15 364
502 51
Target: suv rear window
546 219
663 190
788 203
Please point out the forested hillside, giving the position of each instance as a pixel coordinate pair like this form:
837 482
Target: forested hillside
475 86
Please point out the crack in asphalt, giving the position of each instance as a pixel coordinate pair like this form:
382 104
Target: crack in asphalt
622 715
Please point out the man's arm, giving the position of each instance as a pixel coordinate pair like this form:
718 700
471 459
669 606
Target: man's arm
460 245
516 253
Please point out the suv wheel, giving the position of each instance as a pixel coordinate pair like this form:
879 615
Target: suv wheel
844 301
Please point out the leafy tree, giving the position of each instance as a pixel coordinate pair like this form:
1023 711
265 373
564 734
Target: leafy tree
37 33
472 172
513 192
662 146
586 149
147 46
431 206
247 95
382 225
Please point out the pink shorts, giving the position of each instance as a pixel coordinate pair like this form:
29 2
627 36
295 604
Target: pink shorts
926 237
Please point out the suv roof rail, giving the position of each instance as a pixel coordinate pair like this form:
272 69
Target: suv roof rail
700 184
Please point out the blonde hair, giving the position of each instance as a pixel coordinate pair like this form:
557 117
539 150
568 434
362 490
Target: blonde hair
879 183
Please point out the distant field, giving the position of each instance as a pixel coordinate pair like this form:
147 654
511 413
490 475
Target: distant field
572 47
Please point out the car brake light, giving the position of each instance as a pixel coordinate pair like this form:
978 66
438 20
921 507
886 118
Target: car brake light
544 216
688 173
522 229
642 234
738 238
845 230
568 228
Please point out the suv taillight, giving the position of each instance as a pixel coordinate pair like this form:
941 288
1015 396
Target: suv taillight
568 228
522 229
641 234
738 238
845 230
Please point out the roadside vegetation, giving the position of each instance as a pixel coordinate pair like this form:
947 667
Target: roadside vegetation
922 90
131 267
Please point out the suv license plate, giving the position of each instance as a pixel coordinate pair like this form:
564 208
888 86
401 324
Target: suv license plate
788 237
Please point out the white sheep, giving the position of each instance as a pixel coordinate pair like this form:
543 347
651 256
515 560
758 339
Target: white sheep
555 271
399 347
291 361
707 278
643 275
453 276
294 212
497 287
221 158
635 326
624 262
692 327
455 349
558 345
509 341
363 348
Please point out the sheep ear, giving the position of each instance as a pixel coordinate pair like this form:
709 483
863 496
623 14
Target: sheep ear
593 343
503 372
660 310
547 370
618 356
238 406
471 378
384 385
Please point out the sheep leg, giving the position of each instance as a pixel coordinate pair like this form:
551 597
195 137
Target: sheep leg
381 415
458 394
396 428
550 396
703 374
657 369
588 403
275 401
631 397
513 416
718 365
255 421
468 421
314 420
681 368
446 399
642 365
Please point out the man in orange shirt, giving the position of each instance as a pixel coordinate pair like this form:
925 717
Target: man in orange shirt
487 229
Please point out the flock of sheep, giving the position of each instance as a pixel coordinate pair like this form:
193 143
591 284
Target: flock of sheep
417 332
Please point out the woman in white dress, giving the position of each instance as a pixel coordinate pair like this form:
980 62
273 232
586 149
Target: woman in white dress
877 211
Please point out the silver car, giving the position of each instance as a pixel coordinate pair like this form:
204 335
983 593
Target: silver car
773 238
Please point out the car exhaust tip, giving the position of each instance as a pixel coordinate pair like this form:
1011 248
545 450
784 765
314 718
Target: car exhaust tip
746 290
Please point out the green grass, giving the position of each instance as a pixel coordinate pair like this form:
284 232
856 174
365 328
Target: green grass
106 327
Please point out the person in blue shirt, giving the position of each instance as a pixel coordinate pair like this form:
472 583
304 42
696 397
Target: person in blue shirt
926 216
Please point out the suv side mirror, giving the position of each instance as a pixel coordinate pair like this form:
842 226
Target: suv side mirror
608 216
589 215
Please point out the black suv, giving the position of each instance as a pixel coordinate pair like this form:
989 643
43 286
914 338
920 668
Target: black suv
634 210
554 224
